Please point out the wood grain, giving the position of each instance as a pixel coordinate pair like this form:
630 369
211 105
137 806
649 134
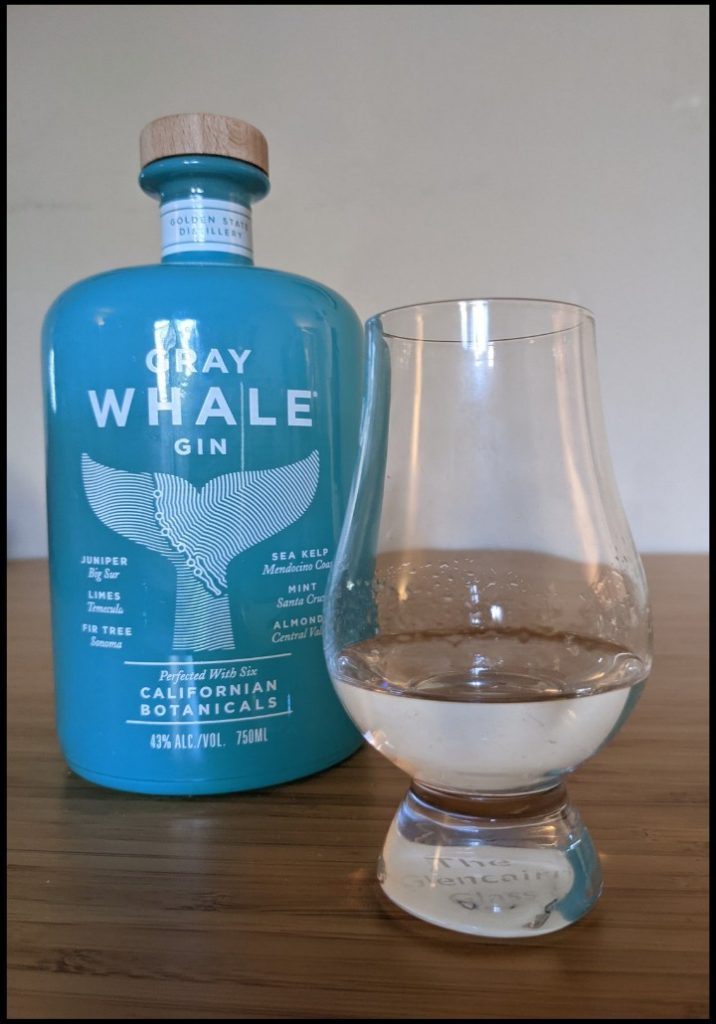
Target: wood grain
265 905
208 134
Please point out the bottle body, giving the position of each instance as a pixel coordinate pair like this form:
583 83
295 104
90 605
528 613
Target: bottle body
202 427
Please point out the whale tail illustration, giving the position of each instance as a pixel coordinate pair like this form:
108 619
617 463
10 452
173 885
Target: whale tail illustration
201 531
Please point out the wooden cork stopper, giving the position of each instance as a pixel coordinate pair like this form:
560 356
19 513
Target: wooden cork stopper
203 134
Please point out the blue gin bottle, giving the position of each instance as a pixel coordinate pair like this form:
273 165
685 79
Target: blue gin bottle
202 427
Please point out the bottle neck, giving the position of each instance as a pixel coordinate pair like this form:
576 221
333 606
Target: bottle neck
205 207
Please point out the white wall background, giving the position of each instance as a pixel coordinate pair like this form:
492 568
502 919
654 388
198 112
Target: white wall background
417 152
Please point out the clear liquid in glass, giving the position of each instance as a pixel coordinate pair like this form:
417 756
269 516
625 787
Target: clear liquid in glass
488 711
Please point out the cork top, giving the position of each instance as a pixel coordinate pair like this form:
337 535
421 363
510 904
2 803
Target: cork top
203 135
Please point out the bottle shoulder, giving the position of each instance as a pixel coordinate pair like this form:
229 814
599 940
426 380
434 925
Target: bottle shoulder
161 285
284 278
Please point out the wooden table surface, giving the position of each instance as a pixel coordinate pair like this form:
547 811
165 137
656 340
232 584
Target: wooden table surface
265 905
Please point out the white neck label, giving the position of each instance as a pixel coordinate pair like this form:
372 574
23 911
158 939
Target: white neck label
198 224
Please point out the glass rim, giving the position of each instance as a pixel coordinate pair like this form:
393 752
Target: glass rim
585 314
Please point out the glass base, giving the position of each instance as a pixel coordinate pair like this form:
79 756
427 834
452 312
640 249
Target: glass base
511 866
